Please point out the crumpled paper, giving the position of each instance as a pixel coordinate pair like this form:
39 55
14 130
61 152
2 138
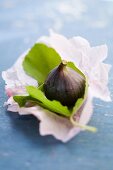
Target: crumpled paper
86 58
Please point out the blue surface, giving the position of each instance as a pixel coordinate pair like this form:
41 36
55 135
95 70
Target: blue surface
21 146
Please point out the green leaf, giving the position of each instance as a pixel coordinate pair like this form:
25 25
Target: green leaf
40 60
21 100
38 97
54 105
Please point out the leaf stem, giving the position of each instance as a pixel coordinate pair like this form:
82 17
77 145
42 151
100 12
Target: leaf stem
84 127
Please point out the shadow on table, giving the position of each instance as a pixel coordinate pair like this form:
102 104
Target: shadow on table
29 127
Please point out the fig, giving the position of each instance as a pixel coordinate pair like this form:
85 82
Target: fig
64 84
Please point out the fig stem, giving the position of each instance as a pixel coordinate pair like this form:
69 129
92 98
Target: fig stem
64 62
62 65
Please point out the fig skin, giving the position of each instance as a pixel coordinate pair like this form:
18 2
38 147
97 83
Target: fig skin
64 84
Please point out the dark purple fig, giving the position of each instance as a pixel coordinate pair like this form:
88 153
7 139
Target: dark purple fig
64 84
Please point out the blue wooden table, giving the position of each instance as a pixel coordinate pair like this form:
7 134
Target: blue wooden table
21 146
